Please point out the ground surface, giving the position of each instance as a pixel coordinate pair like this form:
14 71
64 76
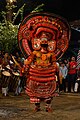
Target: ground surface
65 107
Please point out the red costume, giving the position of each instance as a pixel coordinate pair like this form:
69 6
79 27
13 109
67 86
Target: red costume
72 67
43 38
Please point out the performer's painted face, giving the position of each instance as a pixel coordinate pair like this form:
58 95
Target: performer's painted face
45 41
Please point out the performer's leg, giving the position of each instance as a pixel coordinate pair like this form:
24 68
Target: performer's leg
48 106
64 84
74 80
69 83
76 87
37 107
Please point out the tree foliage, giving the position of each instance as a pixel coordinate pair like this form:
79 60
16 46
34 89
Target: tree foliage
9 31
8 36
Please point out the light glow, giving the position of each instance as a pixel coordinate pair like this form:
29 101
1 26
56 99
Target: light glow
12 1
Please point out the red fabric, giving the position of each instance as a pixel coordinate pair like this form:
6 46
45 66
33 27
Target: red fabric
72 67
39 87
34 100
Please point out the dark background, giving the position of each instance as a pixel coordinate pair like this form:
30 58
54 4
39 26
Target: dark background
69 9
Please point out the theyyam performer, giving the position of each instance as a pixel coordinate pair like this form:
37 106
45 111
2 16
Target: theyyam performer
43 38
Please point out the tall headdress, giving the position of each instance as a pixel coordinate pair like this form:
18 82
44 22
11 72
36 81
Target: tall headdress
35 23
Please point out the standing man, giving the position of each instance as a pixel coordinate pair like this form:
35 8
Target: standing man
72 71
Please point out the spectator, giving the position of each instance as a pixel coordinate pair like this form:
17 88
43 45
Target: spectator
66 62
72 72
63 71
77 84
0 58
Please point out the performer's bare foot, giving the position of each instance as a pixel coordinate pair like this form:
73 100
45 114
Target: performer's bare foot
37 109
49 110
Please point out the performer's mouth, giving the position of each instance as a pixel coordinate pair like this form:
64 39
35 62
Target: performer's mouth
44 48
44 45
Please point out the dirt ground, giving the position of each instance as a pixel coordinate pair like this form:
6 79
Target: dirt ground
65 107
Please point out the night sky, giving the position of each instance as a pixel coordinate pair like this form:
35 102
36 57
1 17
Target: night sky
69 9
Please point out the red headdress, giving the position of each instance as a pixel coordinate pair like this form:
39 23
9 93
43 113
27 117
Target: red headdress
32 26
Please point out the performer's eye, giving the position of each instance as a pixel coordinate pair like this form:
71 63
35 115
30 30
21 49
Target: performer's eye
36 45
50 47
